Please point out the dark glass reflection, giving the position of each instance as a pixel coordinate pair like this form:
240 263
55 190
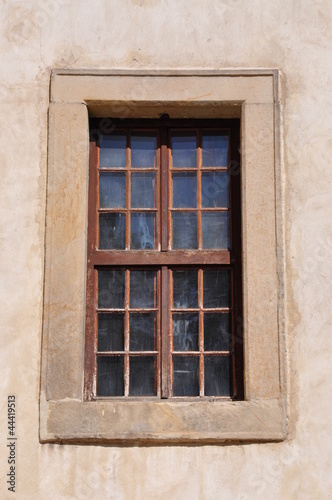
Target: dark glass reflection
214 150
215 189
143 332
142 376
217 376
184 190
143 231
217 332
112 190
183 148
112 151
110 332
185 289
184 230
143 150
111 287
216 288
110 376
215 229
143 190
185 332
143 289
185 376
112 231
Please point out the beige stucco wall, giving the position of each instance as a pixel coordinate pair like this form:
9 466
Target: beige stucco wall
291 35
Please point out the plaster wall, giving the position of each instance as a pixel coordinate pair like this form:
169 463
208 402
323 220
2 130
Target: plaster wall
293 36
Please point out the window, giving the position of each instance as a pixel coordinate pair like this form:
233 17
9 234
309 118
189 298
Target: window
164 258
67 414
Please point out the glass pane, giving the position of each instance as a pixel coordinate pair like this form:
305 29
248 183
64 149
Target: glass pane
215 189
143 150
215 229
184 150
110 376
185 289
112 231
143 289
142 376
143 190
112 151
111 287
217 376
184 230
143 231
185 376
185 332
112 190
110 332
143 332
217 332
216 288
184 190
214 150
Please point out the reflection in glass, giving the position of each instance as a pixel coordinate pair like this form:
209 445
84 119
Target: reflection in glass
143 289
215 229
216 288
214 150
184 150
143 231
143 190
185 376
110 376
112 190
110 332
112 151
217 332
217 370
112 231
184 190
185 332
111 286
142 376
142 332
185 289
143 150
215 189
184 230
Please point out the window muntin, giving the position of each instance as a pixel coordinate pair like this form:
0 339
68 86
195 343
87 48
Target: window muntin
171 193
128 318
128 172
201 332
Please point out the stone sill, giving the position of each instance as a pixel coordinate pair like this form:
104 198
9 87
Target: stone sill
168 422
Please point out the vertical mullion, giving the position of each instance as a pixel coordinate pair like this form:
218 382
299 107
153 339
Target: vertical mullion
128 190
158 343
199 189
165 345
230 190
201 332
164 189
126 332
92 276
236 253
157 199
170 332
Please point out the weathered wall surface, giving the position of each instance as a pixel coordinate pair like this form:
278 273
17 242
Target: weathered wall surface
291 35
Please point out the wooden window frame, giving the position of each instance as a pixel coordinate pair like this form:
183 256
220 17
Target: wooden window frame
164 257
253 96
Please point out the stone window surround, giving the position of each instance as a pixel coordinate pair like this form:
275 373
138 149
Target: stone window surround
249 94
